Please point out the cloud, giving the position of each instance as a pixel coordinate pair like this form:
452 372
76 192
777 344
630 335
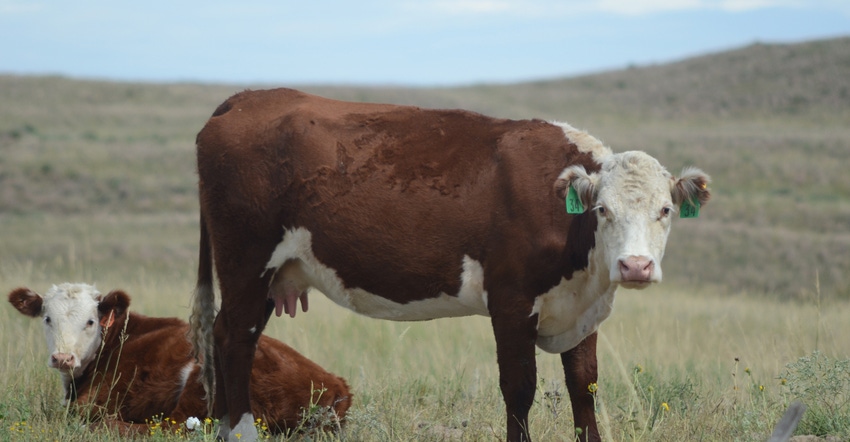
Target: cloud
473 6
544 8
645 7
19 7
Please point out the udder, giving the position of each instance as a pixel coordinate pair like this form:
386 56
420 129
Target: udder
288 286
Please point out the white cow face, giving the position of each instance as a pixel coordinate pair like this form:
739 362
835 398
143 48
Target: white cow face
73 316
634 200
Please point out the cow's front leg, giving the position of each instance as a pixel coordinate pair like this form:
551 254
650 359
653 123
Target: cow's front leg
515 329
580 372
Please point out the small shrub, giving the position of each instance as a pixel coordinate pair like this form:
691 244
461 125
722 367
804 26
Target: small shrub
823 385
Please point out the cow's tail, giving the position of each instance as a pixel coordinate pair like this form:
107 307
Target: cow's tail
203 316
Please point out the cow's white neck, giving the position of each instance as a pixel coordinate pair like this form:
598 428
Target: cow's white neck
573 309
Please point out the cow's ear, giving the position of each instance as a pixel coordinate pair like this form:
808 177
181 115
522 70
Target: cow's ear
26 301
583 183
691 186
116 302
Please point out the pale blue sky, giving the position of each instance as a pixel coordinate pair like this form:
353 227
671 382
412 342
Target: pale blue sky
380 42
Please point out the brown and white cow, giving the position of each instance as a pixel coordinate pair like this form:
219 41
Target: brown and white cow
407 214
123 369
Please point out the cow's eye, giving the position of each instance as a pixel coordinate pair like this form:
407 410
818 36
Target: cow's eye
665 212
47 320
601 210
90 323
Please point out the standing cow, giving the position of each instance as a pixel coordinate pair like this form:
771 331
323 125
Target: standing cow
404 213
126 368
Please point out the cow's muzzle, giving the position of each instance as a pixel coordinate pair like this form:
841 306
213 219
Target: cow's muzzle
636 270
63 361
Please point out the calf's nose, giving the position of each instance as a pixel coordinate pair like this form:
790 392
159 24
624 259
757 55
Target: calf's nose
63 361
636 269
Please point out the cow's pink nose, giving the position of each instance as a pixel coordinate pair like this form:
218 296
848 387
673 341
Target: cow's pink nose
63 361
636 269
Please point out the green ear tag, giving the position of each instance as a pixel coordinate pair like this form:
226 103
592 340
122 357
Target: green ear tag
689 209
574 205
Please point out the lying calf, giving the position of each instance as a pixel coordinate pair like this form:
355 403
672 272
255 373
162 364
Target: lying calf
124 369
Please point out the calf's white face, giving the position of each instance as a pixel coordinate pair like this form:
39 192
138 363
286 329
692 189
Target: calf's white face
72 323
634 200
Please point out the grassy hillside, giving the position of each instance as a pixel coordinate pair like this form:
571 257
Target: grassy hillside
768 122
806 79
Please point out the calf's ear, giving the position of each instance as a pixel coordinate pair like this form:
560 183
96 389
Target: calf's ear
583 183
691 186
26 301
114 304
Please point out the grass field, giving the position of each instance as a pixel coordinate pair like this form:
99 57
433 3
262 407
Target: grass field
674 365
97 185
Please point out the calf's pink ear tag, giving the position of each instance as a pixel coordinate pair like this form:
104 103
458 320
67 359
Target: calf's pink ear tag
689 209
574 205
108 320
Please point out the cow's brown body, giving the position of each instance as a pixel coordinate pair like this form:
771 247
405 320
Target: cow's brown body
146 372
396 206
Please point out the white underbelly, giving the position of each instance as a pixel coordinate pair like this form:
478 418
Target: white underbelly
376 306
297 246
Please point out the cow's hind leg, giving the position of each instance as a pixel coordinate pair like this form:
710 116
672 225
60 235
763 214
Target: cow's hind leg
516 333
239 324
580 372
220 403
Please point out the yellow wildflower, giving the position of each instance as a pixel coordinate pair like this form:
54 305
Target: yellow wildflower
665 407
592 387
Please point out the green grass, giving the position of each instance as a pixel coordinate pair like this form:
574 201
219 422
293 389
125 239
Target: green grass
718 363
98 184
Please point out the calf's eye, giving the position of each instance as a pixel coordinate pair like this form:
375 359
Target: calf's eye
90 323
